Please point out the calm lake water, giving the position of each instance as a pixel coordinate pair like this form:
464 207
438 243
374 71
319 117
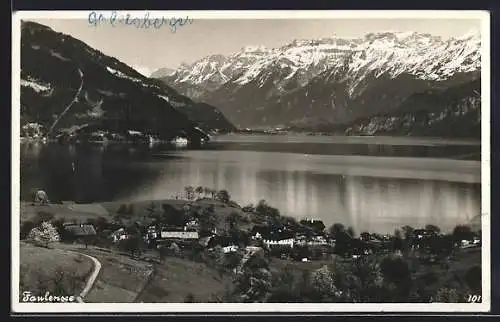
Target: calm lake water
375 184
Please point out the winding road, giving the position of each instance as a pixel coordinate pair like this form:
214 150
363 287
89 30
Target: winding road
75 99
92 278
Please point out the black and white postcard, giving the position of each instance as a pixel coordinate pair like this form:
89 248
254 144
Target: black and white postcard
251 161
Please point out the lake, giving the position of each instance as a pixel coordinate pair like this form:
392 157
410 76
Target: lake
369 183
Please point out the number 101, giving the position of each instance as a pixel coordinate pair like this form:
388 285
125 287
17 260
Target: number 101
474 298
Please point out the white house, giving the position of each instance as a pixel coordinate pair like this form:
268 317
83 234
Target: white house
179 234
230 249
282 242
118 235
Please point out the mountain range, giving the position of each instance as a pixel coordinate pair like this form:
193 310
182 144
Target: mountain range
359 85
66 84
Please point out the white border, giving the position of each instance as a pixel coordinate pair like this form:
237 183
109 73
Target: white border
264 307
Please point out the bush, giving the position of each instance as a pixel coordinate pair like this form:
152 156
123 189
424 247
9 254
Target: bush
44 216
462 232
397 277
43 235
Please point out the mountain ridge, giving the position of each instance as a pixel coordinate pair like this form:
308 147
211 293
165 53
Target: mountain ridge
257 86
66 84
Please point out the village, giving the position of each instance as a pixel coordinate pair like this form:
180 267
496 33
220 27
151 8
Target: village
199 245
203 219
34 132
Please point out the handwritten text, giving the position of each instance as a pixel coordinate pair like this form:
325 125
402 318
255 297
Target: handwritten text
144 22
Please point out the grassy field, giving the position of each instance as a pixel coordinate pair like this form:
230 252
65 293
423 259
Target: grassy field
141 210
68 212
41 269
121 278
177 278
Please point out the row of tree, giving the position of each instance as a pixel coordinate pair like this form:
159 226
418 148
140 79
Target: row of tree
192 193
366 280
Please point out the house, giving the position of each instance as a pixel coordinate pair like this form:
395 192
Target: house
474 242
230 249
120 234
152 233
80 232
279 242
178 233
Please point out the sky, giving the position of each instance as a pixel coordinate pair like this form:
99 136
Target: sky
147 50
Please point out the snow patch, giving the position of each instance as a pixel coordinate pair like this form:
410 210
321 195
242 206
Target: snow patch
122 75
59 56
37 86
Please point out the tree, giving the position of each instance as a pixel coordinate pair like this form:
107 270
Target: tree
189 190
462 232
407 231
173 217
397 275
254 281
323 283
208 220
223 196
397 241
132 245
199 191
336 229
101 223
249 208
362 279
433 229
43 216
365 236
342 243
206 191
44 234
232 260
152 211
233 220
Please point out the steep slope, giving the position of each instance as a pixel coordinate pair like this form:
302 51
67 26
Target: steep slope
309 82
67 84
454 112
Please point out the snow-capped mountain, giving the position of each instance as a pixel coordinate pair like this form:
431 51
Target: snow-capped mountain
329 79
66 84
162 72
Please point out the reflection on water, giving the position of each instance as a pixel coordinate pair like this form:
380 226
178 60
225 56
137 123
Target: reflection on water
368 193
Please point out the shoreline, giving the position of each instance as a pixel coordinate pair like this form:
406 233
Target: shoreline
104 209
332 139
